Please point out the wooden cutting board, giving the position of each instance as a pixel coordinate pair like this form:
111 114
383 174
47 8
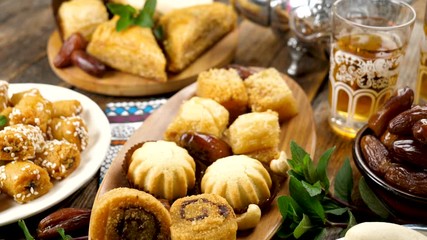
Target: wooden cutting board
116 83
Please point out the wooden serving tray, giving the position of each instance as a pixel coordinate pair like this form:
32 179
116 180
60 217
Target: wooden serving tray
300 129
116 83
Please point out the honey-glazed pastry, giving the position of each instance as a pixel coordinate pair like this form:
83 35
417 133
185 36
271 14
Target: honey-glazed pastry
20 142
256 134
239 179
192 30
16 97
81 16
60 158
4 95
161 168
24 181
203 217
268 91
198 114
226 87
132 50
126 213
32 109
66 108
72 129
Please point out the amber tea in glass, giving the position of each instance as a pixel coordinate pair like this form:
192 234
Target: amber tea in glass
421 87
367 47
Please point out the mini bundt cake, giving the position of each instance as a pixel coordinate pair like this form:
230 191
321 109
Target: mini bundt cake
198 115
161 168
239 179
203 217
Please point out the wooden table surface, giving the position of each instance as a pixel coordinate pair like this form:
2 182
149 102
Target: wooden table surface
25 27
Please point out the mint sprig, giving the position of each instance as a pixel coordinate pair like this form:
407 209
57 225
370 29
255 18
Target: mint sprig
130 17
312 210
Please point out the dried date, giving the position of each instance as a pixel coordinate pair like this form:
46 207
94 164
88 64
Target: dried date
69 219
411 151
407 179
376 155
244 72
205 147
398 103
388 138
402 123
75 42
88 63
419 131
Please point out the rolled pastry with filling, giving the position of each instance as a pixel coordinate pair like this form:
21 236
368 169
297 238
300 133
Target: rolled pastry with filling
126 213
24 181
204 216
66 108
20 142
60 158
72 129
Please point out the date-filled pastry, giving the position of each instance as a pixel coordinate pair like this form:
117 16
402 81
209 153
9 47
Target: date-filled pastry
132 50
256 134
239 179
20 142
203 217
81 16
226 87
126 213
190 31
198 114
24 180
161 168
267 90
73 129
60 158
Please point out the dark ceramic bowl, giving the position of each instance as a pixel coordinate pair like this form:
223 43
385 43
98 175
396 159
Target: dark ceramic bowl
405 206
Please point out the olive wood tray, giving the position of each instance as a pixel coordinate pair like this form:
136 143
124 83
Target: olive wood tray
300 129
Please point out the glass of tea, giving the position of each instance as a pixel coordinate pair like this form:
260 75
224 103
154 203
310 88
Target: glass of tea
368 43
421 86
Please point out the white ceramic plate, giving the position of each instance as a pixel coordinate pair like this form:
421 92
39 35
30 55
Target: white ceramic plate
91 158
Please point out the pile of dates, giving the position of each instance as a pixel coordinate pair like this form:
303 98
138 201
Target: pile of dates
396 151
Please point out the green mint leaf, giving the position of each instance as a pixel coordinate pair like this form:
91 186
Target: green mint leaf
310 205
350 223
298 154
3 120
149 7
283 203
322 166
337 211
158 33
124 22
144 20
303 226
120 9
61 232
344 182
24 228
313 190
309 170
371 200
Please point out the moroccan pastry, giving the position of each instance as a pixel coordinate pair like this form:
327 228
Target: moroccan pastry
16 97
256 134
24 181
226 87
20 142
191 31
203 217
268 91
81 16
239 179
32 109
133 50
126 213
4 95
199 115
73 129
161 168
60 158
66 108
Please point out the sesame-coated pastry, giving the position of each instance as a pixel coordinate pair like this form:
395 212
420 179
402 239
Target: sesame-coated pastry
20 142
73 129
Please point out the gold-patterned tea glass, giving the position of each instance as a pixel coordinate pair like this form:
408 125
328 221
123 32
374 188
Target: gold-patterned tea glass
421 87
368 42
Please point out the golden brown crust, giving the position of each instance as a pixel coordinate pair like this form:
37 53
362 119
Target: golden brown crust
190 31
113 214
66 108
72 129
133 50
203 217
20 142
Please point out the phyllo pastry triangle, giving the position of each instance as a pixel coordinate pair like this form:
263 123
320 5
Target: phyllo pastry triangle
133 50
192 30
